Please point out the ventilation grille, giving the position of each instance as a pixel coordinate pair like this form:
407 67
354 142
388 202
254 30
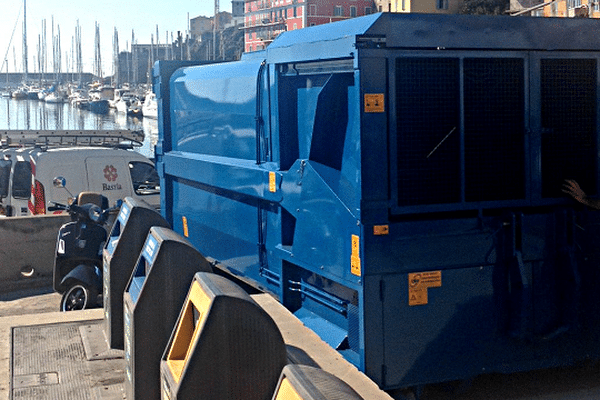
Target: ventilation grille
462 124
568 124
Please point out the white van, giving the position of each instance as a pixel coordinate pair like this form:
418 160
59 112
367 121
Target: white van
27 174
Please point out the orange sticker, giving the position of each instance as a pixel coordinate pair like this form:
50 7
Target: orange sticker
374 103
418 283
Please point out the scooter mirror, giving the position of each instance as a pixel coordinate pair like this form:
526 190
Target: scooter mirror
59 182
95 213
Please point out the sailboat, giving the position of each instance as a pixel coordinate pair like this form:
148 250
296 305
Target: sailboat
150 106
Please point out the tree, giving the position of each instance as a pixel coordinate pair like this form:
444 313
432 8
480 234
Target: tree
485 7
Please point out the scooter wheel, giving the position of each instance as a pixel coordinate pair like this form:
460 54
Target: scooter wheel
77 297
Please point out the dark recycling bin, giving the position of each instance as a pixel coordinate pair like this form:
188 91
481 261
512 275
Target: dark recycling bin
121 251
302 382
152 301
225 346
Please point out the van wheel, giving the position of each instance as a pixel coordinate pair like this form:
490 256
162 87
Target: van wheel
78 297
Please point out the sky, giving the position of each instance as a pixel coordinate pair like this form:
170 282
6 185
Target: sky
125 15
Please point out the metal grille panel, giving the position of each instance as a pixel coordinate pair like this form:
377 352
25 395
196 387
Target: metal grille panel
568 124
494 129
427 108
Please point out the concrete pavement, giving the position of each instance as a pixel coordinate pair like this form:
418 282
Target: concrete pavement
37 307
36 311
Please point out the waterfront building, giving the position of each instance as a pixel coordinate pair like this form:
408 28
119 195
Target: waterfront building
266 19
200 25
568 8
420 6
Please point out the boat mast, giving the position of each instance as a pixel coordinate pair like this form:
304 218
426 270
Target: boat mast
97 54
78 51
25 68
116 69
8 47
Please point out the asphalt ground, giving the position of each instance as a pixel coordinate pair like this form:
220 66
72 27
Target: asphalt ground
30 301
580 382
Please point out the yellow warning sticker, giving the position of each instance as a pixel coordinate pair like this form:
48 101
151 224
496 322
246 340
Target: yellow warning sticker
272 182
418 283
374 103
355 266
185 226
355 256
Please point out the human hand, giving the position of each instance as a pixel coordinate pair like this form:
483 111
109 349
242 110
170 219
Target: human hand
573 189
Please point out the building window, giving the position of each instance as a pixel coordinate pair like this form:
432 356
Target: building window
295 13
442 4
338 11
313 9
573 4
352 11
295 26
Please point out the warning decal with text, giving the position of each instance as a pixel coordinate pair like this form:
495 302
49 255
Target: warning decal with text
419 283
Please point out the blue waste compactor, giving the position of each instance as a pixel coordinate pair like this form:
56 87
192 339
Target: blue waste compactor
395 181
119 256
152 300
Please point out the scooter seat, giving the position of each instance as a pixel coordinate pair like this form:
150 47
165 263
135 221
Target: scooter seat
93 198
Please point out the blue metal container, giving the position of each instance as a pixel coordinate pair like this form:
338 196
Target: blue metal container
395 180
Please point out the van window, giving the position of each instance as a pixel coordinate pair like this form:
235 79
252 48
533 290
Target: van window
22 180
144 177
4 177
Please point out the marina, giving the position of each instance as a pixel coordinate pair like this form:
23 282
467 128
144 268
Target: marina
38 115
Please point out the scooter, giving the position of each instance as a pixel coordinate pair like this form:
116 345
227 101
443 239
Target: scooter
78 258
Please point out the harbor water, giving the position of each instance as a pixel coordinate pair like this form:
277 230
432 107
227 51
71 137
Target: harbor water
38 115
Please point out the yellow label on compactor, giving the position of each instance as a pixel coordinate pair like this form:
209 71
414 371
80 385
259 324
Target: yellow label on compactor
185 226
272 182
419 283
355 256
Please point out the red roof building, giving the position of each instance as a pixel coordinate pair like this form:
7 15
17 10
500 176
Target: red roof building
265 19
